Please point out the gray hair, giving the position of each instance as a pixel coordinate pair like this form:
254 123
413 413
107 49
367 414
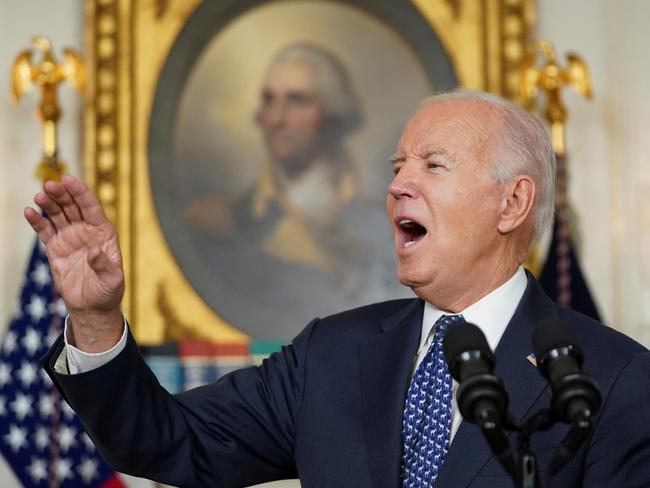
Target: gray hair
524 148
332 81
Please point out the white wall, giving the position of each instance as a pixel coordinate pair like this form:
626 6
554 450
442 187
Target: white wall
607 141
609 150
627 115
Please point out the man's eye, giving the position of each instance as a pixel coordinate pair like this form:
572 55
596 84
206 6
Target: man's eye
432 165
395 170
267 99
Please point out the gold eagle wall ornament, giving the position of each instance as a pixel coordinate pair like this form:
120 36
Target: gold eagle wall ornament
551 78
37 66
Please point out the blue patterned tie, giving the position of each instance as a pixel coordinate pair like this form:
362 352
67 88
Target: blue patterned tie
427 414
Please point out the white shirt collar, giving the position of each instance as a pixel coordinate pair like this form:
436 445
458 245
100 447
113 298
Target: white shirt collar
491 313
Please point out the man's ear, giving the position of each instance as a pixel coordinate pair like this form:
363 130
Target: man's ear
518 198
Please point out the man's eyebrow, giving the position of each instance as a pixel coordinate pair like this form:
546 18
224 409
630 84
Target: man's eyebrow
303 94
396 158
427 153
399 157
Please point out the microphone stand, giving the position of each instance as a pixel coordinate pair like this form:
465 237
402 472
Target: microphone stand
522 466
528 472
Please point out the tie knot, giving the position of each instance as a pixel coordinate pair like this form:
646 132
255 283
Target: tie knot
443 323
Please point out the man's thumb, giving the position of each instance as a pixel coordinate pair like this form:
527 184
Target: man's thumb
99 261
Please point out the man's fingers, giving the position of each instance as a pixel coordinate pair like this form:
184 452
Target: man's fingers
40 224
87 203
54 211
60 195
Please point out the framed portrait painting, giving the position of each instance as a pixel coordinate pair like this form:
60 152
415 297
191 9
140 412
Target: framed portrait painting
241 147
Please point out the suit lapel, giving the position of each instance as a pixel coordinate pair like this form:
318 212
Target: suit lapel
386 361
469 451
522 380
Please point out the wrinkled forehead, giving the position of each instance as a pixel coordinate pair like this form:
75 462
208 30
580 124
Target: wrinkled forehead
290 76
453 126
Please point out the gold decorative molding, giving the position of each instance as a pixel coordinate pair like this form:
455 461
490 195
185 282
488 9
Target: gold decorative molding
175 328
455 6
486 39
160 8
517 18
102 129
128 43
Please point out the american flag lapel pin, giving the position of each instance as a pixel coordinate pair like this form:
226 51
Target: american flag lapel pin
531 359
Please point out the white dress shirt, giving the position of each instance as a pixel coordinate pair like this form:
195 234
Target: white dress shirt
491 314
79 361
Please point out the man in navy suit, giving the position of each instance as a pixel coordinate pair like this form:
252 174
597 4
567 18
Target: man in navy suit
473 185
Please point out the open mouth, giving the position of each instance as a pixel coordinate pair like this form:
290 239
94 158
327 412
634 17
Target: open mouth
410 232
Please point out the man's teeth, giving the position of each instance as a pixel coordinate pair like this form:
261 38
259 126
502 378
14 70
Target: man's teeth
409 243
405 222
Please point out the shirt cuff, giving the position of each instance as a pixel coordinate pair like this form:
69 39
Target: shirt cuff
81 362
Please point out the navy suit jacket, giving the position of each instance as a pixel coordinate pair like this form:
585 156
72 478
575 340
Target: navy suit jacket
328 408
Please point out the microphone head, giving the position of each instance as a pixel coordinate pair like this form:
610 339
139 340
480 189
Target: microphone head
553 337
574 394
462 338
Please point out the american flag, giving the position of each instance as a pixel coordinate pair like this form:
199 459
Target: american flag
40 436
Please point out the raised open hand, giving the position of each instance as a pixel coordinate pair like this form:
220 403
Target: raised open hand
84 254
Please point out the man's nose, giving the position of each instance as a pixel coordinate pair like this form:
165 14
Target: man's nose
275 113
404 184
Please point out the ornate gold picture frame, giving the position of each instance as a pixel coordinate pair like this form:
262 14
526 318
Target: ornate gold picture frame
144 59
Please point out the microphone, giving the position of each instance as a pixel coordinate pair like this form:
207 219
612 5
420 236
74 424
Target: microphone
481 396
575 395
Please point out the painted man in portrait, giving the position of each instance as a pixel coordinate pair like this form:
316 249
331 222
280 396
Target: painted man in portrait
305 221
